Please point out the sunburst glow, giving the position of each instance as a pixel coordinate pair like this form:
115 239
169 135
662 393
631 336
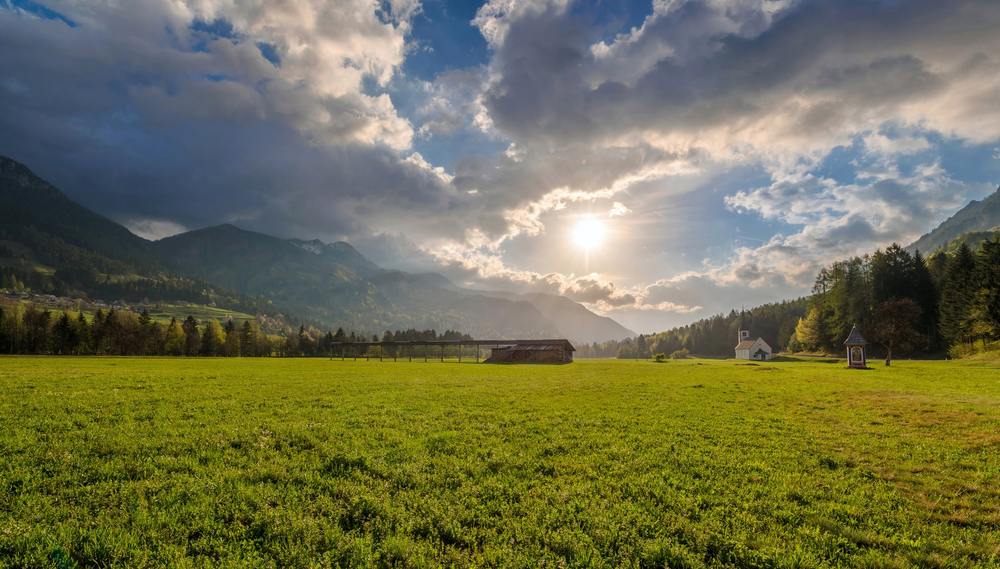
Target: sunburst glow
588 234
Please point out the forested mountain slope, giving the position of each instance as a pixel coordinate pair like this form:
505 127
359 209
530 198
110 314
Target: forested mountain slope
976 216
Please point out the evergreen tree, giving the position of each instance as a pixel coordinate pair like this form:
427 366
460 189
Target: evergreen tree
84 340
232 344
248 340
325 345
957 293
924 292
36 330
4 339
987 300
304 344
145 332
156 341
192 337
891 272
213 339
937 264
97 332
64 336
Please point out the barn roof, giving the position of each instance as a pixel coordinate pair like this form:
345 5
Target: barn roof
535 347
855 337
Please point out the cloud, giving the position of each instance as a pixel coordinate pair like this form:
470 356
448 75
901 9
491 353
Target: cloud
618 209
174 104
154 229
780 80
452 102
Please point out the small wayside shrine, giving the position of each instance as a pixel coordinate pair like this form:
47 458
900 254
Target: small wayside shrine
856 349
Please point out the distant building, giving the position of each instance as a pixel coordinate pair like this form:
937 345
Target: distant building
748 349
533 352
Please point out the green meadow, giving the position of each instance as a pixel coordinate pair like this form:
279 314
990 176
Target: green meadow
137 462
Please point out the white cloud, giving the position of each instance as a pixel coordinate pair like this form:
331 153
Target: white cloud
618 209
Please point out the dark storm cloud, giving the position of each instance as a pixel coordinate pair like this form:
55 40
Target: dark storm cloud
718 65
197 128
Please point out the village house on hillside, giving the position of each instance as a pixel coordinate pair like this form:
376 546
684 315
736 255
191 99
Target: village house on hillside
748 349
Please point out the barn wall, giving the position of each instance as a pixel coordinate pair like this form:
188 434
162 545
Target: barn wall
513 355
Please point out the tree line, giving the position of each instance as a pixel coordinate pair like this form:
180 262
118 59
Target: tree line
26 328
901 302
713 336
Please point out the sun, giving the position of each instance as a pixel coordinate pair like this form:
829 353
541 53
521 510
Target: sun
588 234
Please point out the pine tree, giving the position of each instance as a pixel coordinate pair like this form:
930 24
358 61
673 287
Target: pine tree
64 336
213 339
4 334
987 299
248 340
957 293
924 292
232 344
145 331
304 343
156 342
97 332
84 341
192 337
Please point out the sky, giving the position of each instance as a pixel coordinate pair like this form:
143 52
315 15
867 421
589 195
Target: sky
657 161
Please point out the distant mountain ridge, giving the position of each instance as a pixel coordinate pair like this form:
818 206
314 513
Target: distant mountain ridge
70 248
977 216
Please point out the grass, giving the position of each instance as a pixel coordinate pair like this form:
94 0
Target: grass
692 463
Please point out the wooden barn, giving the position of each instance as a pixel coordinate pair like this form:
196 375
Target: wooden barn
532 352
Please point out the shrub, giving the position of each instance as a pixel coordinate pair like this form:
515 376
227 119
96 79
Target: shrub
660 357
680 354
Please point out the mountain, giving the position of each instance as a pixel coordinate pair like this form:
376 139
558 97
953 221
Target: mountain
572 319
976 216
335 285
54 245
973 239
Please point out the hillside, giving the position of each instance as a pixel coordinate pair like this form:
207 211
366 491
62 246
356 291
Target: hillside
53 245
973 239
336 285
976 216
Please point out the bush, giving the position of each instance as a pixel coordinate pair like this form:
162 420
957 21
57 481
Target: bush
680 354
660 357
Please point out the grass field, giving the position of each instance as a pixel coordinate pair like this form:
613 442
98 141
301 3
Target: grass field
295 463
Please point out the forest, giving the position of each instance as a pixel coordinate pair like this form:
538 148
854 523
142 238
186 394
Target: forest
29 329
903 303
